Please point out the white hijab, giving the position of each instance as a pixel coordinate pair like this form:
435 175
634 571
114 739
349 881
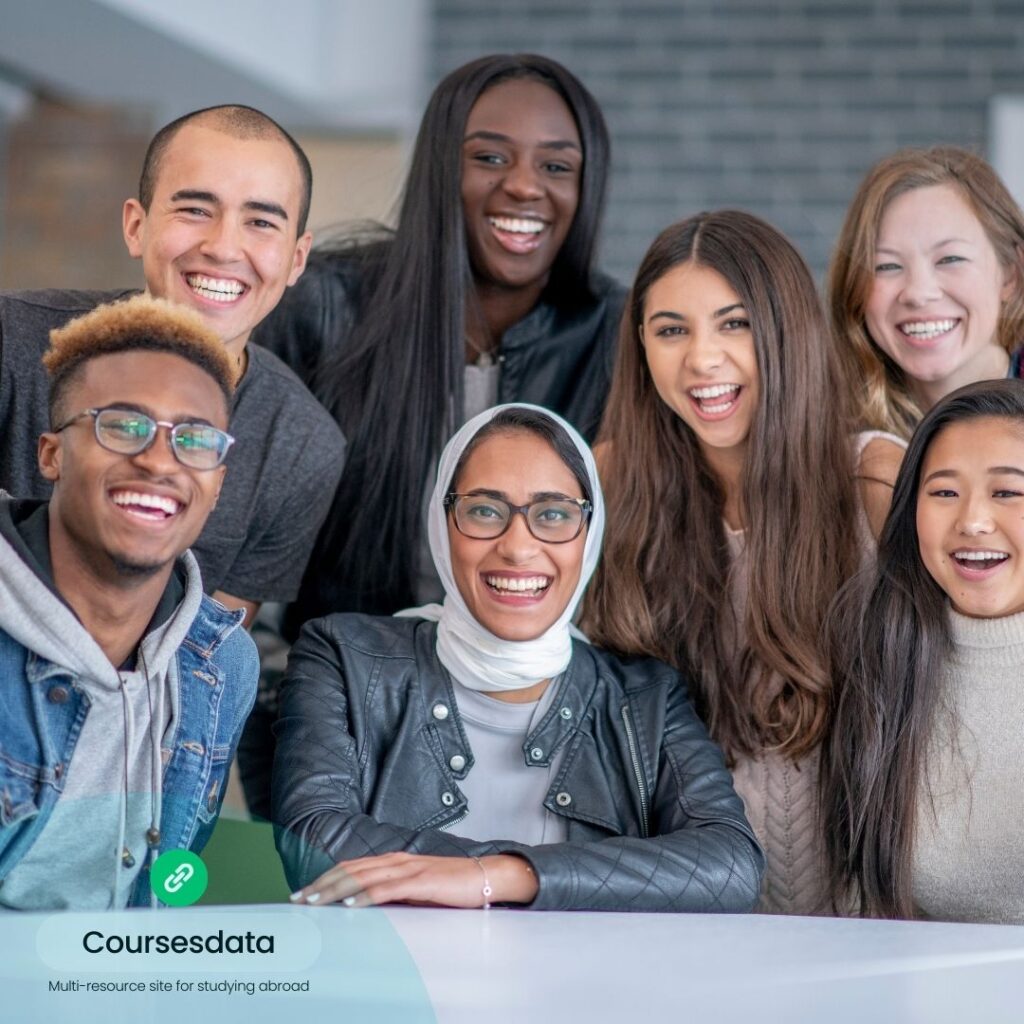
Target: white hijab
472 654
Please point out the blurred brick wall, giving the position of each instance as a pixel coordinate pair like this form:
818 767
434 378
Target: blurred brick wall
69 171
775 106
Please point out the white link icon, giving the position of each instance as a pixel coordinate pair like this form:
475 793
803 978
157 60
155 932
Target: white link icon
174 882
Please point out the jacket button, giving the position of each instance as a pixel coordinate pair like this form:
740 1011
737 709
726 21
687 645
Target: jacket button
57 695
563 799
536 754
447 799
457 763
440 711
566 713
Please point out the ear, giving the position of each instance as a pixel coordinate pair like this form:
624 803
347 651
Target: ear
133 222
220 471
49 454
302 247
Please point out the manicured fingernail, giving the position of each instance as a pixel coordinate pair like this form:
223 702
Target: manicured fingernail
296 896
313 897
349 901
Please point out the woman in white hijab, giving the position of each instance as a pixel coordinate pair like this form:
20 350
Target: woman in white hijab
480 751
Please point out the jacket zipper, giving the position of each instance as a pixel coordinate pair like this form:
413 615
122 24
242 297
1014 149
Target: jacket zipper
636 768
449 824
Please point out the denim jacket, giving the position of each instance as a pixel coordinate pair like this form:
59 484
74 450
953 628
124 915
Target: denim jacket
41 716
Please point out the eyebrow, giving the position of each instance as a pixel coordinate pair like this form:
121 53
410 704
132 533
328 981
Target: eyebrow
500 137
485 492
180 418
669 315
992 471
260 205
937 245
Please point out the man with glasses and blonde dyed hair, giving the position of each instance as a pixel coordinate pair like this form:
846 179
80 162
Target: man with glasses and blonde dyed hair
125 687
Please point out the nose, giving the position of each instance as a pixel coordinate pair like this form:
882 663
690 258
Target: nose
975 517
222 241
157 459
517 545
704 353
920 285
522 183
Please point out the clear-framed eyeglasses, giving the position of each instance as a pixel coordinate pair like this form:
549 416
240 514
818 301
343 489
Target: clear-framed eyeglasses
128 432
552 520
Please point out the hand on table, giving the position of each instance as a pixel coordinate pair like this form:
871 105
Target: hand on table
429 881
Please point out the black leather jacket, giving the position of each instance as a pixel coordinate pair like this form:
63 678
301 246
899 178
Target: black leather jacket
369 723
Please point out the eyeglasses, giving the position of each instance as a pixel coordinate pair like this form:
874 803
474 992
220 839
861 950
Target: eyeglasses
127 432
553 520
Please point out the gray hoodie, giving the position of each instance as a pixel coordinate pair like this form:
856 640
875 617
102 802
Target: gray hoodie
94 843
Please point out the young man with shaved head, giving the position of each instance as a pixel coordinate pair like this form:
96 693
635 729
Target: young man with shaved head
220 227
124 686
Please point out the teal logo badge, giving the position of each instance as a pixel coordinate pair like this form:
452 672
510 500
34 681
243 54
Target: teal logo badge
178 878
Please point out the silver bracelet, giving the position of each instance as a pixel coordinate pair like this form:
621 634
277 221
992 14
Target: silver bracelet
486 891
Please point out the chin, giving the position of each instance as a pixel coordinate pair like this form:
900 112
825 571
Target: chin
515 632
135 567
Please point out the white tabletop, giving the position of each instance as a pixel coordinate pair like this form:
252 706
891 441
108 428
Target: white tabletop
519 966
407 965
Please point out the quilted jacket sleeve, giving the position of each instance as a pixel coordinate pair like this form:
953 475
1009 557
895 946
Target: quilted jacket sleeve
318 798
701 854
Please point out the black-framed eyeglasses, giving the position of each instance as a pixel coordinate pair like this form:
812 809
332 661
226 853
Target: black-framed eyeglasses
552 520
128 432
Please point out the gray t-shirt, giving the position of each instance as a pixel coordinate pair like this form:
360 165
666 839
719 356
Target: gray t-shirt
282 470
505 790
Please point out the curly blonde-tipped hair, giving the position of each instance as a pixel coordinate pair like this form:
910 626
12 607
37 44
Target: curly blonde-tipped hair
139 323
885 399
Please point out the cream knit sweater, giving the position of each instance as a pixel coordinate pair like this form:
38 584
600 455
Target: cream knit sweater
781 801
969 845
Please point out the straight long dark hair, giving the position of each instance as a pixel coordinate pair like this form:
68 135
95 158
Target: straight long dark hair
888 642
662 587
396 385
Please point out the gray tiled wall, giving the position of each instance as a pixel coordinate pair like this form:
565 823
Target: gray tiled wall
776 107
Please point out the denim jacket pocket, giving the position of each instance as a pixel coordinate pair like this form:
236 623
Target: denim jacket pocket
209 804
21 790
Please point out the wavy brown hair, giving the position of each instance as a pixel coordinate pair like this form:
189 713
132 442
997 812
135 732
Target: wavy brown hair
889 642
886 402
662 587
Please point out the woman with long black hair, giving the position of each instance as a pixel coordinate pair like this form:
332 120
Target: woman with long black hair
485 291
923 761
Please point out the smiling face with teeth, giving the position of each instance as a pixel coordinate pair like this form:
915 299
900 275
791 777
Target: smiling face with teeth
220 233
970 515
515 585
521 166
123 517
937 293
700 353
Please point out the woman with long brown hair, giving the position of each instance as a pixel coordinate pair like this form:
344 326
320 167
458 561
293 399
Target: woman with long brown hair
922 766
732 512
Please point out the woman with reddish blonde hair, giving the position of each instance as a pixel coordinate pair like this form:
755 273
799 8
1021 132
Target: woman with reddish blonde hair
925 286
